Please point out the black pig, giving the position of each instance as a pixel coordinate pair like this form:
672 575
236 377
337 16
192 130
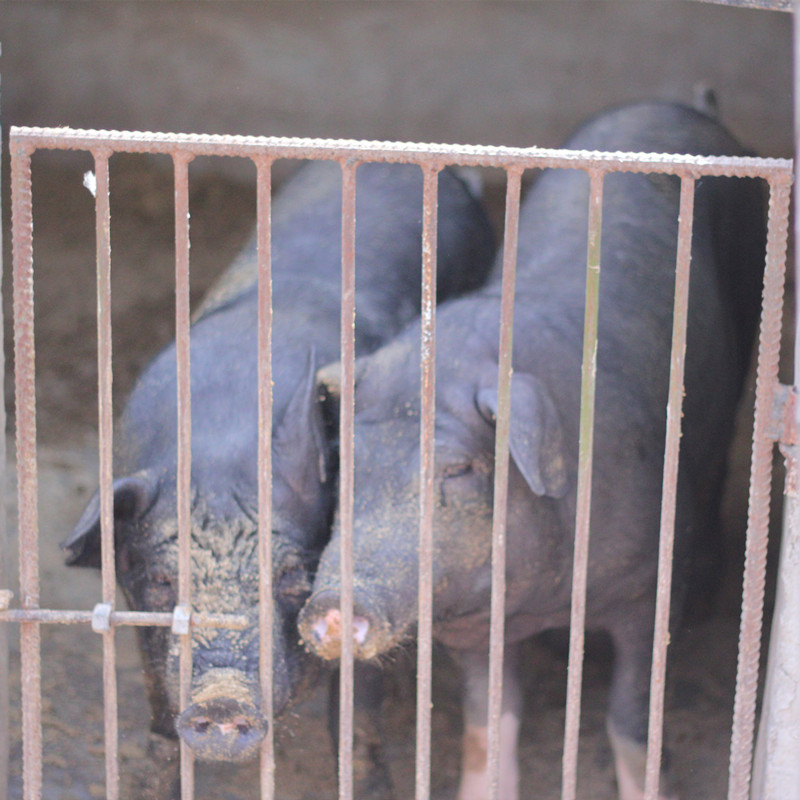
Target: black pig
640 219
225 720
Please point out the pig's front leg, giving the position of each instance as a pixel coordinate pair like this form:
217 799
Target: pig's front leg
371 777
629 705
474 783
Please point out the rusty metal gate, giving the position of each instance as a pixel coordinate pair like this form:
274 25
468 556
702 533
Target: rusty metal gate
771 420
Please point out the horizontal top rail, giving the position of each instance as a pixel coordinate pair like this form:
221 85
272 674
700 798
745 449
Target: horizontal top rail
29 139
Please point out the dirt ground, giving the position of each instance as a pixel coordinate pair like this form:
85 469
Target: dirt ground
702 659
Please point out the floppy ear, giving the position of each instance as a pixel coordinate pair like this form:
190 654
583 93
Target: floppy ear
133 496
535 440
299 440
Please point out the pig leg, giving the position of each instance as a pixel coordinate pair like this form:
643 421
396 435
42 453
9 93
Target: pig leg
474 783
629 705
371 780
159 775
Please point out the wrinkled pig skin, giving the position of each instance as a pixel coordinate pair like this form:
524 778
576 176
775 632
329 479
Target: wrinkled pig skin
639 235
225 720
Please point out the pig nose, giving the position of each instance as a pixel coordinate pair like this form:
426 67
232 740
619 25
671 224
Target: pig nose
321 627
222 729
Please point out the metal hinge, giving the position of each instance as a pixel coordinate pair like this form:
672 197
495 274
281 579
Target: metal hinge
783 430
783 422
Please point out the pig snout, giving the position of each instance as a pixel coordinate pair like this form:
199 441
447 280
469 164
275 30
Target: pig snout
321 627
224 722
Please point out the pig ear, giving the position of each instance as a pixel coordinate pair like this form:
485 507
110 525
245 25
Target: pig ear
535 440
133 496
299 440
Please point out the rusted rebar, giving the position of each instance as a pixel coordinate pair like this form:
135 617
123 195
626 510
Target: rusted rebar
432 158
108 574
669 490
265 607
500 500
184 471
580 559
426 476
346 479
753 589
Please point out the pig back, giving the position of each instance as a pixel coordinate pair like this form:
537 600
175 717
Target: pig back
306 232
637 276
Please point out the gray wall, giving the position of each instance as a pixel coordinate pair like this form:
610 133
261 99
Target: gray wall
491 72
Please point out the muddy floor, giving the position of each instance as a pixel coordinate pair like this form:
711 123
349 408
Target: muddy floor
703 658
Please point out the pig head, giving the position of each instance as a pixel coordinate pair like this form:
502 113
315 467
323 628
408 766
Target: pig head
387 459
225 720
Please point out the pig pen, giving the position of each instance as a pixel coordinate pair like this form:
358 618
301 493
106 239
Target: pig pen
702 660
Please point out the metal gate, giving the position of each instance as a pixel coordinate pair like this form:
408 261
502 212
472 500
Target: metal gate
773 418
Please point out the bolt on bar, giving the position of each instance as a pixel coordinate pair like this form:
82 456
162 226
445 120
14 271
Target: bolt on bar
584 491
426 476
669 489
759 502
103 247
265 607
502 427
346 477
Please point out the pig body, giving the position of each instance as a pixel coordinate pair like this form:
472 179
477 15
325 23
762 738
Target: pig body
226 720
640 218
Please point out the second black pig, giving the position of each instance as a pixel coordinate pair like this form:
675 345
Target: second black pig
226 720
639 234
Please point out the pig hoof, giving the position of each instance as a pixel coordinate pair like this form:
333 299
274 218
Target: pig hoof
222 730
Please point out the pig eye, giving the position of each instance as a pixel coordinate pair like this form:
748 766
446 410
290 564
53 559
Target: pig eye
293 588
160 591
463 484
457 470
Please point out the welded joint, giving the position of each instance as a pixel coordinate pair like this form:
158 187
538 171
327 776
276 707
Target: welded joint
6 596
101 617
783 422
783 430
181 617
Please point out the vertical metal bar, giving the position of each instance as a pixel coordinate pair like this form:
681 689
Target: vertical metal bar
776 768
346 455
584 492
744 706
265 599
103 235
426 504
669 489
5 545
27 476
503 427
184 474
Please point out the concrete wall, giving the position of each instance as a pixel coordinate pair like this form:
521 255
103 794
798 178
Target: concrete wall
516 73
